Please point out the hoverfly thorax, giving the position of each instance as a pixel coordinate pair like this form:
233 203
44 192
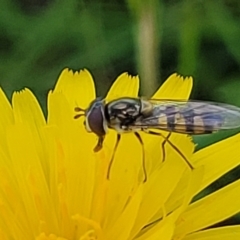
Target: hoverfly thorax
95 120
122 112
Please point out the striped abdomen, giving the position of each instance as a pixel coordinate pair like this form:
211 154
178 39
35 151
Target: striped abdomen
183 120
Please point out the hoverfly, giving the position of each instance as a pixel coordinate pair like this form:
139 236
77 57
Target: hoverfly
136 114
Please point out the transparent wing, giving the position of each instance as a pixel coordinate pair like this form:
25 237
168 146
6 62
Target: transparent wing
193 117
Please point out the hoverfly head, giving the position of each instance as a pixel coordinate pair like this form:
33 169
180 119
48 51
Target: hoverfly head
95 120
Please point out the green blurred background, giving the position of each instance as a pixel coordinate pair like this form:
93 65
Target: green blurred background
154 38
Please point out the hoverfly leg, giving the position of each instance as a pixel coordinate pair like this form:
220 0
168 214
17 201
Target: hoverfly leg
113 155
163 146
172 145
98 147
143 156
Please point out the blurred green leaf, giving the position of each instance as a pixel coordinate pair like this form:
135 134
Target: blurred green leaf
229 91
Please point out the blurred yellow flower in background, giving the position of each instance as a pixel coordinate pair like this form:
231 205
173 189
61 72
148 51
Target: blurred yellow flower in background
54 187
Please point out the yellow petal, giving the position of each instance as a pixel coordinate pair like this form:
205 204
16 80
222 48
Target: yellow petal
59 110
27 109
77 153
28 112
78 87
162 230
221 233
123 174
124 86
165 231
194 182
175 87
32 185
157 190
211 209
6 117
218 159
126 219
177 204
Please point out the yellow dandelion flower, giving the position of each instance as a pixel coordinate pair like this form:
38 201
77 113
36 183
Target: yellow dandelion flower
54 187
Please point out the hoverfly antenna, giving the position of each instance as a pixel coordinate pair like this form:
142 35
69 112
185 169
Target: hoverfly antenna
78 109
78 116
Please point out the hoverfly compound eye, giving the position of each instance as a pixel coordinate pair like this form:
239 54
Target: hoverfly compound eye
95 118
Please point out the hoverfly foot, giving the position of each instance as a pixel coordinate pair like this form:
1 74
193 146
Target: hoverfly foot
99 145
97 148
145 179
